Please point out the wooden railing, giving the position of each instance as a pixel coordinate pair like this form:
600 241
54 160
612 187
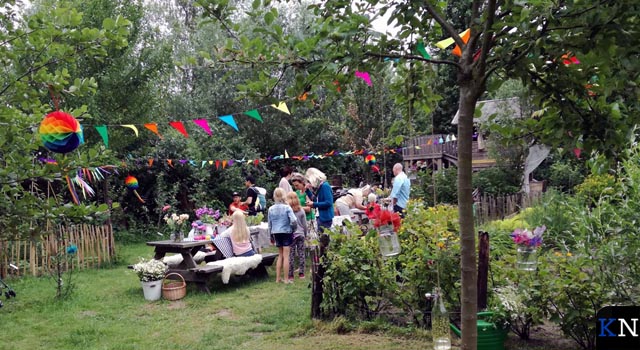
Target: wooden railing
95 247
489 208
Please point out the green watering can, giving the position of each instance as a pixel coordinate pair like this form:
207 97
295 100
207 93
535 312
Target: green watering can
490 336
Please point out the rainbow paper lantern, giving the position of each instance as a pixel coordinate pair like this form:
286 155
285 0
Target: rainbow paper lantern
370 159
131 182
60 132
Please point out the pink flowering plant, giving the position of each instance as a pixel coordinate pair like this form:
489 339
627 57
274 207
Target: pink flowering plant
528 238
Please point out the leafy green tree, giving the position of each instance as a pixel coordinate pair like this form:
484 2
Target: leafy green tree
511 38
40 53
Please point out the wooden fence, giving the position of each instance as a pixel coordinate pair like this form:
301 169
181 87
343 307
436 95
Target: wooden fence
95 247
490 208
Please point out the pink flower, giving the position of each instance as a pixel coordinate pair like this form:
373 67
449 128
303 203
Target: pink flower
166 207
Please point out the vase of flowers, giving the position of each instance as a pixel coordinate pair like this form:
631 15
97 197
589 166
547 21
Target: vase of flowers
387 224
205 225
151 273
176 223
527 243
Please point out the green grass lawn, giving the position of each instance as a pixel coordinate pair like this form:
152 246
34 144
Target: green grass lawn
108 311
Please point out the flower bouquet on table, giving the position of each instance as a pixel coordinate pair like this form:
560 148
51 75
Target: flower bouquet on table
223 223
205 224
176 223
527 243
150 270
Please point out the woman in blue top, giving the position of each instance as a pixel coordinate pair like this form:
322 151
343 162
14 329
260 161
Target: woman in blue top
282 224
321 197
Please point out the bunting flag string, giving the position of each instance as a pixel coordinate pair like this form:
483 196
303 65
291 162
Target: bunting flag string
229 120
433 141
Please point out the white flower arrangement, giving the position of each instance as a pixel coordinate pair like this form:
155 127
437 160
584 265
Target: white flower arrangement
176 221
150 270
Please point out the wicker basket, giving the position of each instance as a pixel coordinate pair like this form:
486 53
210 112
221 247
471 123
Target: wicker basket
174 289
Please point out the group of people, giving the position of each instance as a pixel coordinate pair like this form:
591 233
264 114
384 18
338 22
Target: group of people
290 218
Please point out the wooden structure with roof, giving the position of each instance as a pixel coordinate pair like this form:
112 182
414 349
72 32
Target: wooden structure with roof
441 151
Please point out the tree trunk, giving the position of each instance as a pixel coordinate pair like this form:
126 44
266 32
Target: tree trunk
468 267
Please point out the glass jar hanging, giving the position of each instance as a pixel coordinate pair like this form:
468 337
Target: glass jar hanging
388 241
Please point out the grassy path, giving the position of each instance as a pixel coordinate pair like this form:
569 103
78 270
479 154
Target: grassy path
108 311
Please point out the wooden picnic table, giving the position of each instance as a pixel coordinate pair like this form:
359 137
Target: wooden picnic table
188 268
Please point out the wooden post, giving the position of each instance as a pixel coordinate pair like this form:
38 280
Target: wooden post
318 275
483 268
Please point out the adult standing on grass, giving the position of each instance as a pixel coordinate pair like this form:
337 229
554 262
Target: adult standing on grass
252 196
321 195
284 181
282 223
299 183
297 248
400 191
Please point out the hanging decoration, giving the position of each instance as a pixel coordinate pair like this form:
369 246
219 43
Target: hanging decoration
370 159
465 38
364 76
132 184
282 106
60 132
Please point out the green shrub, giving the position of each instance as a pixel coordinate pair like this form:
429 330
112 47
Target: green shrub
360 283
564 176
497 181
596 186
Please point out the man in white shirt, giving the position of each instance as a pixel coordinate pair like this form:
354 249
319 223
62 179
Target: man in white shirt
401 189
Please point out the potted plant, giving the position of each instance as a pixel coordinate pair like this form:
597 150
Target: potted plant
151 273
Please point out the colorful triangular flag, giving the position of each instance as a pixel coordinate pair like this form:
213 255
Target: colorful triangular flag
465 38
254 114
422 50
229 120
203 124
364 76
154 128
286 155
102 130
180 127
282 106
132 127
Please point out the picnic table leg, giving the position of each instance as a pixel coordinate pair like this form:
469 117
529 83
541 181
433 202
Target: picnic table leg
202 286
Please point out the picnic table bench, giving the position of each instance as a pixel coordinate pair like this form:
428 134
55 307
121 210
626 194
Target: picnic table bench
201 274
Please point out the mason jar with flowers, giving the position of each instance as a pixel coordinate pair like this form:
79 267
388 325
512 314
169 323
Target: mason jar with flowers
386 224
527 243
176 223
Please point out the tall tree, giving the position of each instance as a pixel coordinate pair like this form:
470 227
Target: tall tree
508 37
39 54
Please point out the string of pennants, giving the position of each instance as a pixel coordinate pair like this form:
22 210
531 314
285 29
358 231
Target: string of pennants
180 126
223 163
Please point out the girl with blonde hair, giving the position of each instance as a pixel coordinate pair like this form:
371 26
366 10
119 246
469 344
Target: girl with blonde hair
297 248
282 223
240 239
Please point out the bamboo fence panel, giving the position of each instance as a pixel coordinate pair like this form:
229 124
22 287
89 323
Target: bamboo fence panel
489 208
95 248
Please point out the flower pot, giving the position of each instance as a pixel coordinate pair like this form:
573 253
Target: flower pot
527 258
179 236
388 241
152 290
